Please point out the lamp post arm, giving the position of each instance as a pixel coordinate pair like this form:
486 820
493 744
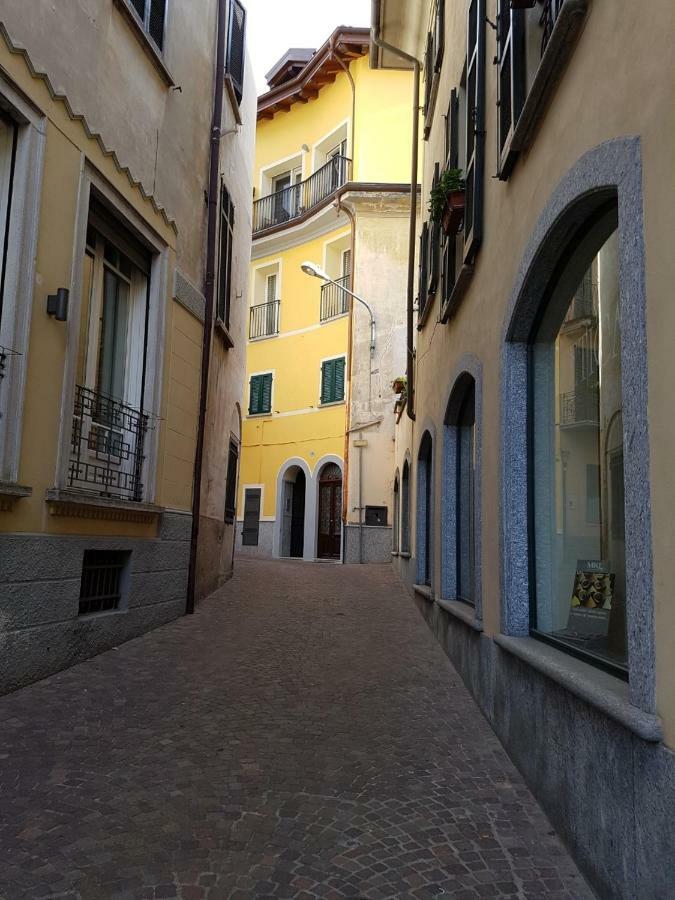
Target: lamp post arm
352 294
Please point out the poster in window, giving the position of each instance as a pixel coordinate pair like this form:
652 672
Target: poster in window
591 601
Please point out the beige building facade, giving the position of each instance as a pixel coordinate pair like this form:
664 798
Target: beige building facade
103 305
533 489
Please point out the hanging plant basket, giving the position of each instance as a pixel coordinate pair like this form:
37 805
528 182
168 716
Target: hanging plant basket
453 211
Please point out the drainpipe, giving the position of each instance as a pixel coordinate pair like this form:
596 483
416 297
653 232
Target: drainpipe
410 356
360 498
211 236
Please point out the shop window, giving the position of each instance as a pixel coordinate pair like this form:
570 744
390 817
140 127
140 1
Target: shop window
579 598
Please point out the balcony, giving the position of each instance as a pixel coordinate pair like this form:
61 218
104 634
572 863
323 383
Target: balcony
107 449
334 301
264 320
580 409
293 202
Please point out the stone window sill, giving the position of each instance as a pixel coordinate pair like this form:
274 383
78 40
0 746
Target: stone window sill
151 50
597 688
93 506
10 493
462 611
404 554
423 590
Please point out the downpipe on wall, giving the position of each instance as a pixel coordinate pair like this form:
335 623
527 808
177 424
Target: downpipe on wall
209 287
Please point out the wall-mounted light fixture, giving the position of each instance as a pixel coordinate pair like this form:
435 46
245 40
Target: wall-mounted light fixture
57 305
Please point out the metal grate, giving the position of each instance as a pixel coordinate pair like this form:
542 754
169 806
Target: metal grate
107 446
335 301
293 201
102 580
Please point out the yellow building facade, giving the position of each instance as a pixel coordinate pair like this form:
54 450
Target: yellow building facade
332 171
102 322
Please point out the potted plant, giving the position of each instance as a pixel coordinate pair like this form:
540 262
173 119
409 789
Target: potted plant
399 384
448 200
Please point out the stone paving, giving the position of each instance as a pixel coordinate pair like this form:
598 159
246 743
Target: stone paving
303 735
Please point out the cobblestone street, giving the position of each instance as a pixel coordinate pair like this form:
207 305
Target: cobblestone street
303 735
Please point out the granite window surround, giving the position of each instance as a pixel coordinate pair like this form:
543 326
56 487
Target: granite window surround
609 173
470 365
424 518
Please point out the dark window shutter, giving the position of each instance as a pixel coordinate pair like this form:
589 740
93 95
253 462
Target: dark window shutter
510 81
423 268
139 6
231 486
449 267
428 72
339 369
434 246
226 245
475 129
254 395
327 379
156 21
266 398
439 35
236 44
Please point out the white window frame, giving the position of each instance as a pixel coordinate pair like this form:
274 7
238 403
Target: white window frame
20 272
158 300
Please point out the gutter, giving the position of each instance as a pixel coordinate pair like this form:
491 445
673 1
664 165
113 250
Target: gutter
412 239
209 288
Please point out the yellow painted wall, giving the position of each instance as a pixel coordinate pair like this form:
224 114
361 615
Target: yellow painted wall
67 146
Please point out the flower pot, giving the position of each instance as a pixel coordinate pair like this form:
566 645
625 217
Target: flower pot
523 4
453 213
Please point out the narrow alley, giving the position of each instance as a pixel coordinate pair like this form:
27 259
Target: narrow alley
303 735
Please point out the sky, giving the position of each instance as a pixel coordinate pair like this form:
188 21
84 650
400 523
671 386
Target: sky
276 25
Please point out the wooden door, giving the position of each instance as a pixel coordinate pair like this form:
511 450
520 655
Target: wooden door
330 513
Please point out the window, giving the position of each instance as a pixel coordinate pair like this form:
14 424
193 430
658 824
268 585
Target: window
475 129
424 509
577 483
226 247
433 60
231 484
396 537
8 141
109 422
405 508
511 85
333 380
422 288
236 47
152 14
449 245
251 530
465 496
104 578
261 394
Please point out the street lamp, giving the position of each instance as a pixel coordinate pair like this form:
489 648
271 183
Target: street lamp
310 268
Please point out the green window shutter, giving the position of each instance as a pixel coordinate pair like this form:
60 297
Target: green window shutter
327 378
261 394
339 367
266 398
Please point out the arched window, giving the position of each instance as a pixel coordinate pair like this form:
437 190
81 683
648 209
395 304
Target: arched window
396 536
405 508
576 452
425 509
460 548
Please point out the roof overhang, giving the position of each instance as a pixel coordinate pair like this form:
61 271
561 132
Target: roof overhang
399 23
343 46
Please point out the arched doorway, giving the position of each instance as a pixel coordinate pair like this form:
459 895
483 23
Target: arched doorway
330 512
294 491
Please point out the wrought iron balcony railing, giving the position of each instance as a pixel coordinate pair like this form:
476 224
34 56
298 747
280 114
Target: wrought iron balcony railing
549 16
107 446
264 320
334 301
290 203
581 407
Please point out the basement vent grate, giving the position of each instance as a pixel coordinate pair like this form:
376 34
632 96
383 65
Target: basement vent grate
103 580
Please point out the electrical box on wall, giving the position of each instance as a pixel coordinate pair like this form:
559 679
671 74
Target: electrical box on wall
376 515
